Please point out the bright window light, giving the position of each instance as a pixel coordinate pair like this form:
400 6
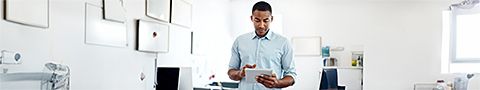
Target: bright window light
460 41
467 35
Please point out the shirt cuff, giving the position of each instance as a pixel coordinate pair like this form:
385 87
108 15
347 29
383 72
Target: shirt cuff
232 68
292 75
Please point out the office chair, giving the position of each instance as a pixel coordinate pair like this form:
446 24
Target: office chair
329 80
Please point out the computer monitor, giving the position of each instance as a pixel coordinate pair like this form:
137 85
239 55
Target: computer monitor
167 78
329 79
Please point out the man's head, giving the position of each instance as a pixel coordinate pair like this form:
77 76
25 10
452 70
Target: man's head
261 17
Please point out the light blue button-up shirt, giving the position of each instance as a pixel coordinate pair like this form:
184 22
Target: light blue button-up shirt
270 52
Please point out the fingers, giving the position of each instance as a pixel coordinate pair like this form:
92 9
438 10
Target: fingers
262 80
267 81
243 71
247 66
274 74
250 66
259 80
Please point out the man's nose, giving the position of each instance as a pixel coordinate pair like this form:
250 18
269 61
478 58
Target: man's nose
262 25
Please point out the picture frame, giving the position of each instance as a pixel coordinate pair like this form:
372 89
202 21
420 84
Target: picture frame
101 32
181 13
307 46
152 36
113 10
34 13
158 9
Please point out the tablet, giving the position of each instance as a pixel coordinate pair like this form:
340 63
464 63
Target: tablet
250 74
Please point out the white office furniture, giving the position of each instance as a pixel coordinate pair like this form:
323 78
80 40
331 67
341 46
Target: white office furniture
424 86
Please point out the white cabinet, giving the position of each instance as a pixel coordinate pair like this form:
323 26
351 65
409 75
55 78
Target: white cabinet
350 77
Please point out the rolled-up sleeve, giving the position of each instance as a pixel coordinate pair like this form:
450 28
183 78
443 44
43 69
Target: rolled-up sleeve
235 58
288 64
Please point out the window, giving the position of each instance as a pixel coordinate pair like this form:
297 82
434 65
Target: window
460 46
466 35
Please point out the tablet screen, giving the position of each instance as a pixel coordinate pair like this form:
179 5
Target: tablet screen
250 74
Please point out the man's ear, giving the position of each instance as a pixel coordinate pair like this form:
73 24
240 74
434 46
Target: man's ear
271 20
251 18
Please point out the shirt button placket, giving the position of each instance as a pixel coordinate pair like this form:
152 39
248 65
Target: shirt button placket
257 54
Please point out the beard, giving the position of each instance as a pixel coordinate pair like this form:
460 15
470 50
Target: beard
261 32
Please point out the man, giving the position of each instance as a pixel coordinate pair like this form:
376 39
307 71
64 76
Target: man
262 49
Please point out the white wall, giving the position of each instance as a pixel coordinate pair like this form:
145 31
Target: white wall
92 67
212 40
240 12
401 39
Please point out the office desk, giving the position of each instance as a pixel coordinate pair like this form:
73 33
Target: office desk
219 86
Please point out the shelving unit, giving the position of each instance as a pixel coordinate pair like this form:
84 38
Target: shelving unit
348 75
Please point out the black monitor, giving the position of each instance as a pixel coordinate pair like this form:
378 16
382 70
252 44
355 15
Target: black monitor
329 79
167 78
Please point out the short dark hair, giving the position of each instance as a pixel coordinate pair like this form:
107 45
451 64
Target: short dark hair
262 6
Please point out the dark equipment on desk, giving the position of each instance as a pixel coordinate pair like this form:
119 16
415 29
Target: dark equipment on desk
167 78
329 80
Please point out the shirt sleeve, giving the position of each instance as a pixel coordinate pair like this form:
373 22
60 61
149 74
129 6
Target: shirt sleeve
288 64
235 58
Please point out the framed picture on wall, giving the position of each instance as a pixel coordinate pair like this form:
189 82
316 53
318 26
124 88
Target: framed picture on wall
101 32
33 13
181 13
307 46
158 9
113 10
152 36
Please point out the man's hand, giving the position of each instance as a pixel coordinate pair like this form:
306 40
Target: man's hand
247 66
237 75
272 81
268 81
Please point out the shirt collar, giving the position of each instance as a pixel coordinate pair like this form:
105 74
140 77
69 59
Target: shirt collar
269 35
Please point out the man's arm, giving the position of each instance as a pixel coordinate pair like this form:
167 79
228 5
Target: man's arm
234 73
288 66
285 82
